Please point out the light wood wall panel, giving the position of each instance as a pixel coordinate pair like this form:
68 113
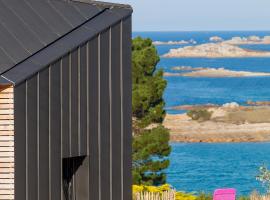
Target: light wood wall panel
6 142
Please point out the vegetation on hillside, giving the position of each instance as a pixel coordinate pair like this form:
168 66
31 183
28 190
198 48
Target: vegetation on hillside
200 115
150 146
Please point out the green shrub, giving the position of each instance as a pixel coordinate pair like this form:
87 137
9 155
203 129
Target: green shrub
243 198
200 115
204 196
264 177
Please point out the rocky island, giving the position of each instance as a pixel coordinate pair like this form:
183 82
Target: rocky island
174 42
186 68
215 50
216 72
228 123
248 40
242 40
215 39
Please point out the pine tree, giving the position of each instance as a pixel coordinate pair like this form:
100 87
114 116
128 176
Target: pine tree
150 146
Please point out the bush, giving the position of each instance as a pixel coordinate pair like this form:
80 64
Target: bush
204 196
243 198
185 196
264 177
150 156
153 189
256 196
200 115
143 189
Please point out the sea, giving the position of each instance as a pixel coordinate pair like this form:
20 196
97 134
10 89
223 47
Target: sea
204 167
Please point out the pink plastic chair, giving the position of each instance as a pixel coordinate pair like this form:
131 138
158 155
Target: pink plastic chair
224 194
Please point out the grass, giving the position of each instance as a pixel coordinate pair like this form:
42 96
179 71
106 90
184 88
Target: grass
248 115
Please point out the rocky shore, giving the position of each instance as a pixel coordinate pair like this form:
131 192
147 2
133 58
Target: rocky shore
229 123
215 50
174 42
216 72
248 40
242 40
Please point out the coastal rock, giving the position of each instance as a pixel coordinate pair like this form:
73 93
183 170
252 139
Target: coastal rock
248 40
192 41
170 42
258 103
266 39
183 129
215 39
186 68
231 105
215 50
217 72
217 112
157 43
169 74
191 107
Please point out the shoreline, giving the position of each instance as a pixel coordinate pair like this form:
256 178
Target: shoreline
254 142
216 73
223 127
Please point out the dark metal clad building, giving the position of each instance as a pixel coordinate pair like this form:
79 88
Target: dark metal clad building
65 100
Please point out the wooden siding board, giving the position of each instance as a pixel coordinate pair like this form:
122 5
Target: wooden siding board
55 132
20 141
44 135
116 111
104 116
7 144
32 145
93 104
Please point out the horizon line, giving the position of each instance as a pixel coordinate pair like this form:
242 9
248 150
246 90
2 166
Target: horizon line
200 30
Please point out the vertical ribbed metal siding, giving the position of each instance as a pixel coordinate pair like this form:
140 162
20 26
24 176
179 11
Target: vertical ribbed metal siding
78 106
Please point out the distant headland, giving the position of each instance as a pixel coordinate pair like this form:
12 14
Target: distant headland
215 50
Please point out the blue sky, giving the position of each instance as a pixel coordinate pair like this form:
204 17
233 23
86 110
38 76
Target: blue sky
186 15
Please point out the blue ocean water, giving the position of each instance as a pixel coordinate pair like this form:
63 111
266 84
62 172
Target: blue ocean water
197 167
195 90
206 167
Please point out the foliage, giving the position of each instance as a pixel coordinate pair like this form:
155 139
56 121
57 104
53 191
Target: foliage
200 115
184 196
161 189
264 177
150 146
243 198
154 189
148 83
180 195
204 196
256 196
150 151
